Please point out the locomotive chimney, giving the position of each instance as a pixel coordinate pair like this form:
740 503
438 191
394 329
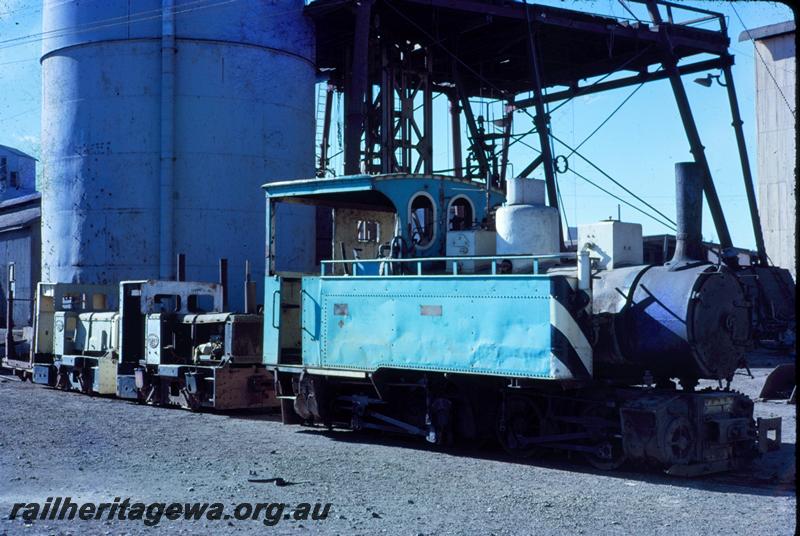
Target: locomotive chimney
689 200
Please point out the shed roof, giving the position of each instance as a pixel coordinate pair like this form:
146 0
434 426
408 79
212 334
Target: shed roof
20 218
765 32
14 203
16 152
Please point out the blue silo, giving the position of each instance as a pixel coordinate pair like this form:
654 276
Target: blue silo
160 121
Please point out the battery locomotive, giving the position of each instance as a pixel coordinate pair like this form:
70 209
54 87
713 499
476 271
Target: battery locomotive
154 341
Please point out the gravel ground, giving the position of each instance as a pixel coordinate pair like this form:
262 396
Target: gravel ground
95 449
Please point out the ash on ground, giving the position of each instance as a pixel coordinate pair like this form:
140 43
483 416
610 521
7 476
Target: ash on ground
97 449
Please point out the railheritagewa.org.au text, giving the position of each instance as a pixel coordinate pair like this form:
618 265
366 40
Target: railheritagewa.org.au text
153 513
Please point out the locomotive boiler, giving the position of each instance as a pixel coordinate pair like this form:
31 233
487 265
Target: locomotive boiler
687 319
420 323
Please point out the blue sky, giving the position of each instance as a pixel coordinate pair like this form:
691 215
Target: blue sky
638 146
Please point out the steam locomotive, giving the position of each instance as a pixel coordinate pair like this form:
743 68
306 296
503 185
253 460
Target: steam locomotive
446 312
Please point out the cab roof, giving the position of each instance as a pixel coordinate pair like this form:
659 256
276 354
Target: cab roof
368 189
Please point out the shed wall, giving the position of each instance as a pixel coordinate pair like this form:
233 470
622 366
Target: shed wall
776 147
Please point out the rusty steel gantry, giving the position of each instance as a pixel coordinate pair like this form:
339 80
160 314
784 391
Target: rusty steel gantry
390 57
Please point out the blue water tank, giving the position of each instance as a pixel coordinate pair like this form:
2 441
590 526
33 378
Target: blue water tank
161 119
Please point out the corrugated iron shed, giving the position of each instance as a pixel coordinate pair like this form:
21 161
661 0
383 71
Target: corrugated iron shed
20 244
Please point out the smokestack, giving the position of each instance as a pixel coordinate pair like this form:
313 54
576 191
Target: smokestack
689 200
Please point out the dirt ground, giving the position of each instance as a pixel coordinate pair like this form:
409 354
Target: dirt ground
97 449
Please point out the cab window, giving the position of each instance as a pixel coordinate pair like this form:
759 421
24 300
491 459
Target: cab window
421 220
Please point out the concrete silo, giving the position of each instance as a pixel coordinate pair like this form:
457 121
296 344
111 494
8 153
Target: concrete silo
160 121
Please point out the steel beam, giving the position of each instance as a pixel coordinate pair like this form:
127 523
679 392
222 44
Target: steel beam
357 90
509 121
542 123
706 40
530 167
425 146
696 146
326 130
737 123
480 152
455 127
717 63
387 113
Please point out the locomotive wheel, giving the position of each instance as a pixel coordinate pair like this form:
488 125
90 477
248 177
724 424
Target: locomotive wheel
519 420
611 438
679 441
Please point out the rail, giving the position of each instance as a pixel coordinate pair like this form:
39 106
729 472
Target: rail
582 263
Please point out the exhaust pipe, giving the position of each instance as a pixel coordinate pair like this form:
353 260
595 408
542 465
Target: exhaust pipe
689 215
223 282
181 267
249 290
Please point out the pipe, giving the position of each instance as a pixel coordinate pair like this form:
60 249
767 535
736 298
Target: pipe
584 270
181 267
689 215
167 171
249 290
455 127
223 282
10 348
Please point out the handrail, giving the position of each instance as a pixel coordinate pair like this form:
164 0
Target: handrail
454 260
670 6
565 255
